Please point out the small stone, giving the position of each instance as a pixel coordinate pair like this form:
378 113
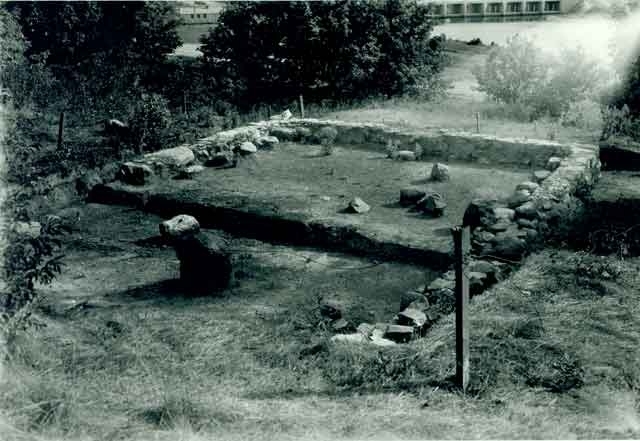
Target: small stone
134 174
30 229
173 158
440 172
357 205
411 196
325 198
409 297
190 172
504 213
302 133
247 148
541 175
432 204
405 155
501 225
483 236
331 309
519 197
87 181
399 333
377 338
440 283
553 163
349 338
412 317
341 325
482 266
219 160
476 281
365 329
267 142
527 223
528 185
527 210
449 275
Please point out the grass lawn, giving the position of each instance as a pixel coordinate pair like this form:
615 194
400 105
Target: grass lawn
554 350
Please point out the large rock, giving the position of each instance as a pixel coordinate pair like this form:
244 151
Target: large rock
529 186
133 173
519 197
205 265
509 244
357 205
439 172
173 158
179 226
411 196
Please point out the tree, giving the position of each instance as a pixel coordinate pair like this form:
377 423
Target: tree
99 41
273 51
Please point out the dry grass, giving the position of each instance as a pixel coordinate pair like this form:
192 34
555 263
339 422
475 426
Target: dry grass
554 351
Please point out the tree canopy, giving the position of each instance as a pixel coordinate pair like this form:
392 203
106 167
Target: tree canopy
265 51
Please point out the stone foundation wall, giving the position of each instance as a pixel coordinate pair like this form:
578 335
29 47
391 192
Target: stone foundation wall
440 145
504 229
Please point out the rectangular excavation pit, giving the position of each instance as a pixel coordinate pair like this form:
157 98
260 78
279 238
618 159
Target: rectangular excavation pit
294 194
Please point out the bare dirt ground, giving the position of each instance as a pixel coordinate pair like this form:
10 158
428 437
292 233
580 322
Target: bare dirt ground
297 182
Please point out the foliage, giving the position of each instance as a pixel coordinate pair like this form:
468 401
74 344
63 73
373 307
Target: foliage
622 118
149 121
98 47
342 49
520 74
585 114
619 122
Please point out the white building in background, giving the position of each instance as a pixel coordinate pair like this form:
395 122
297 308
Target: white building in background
494 8
199 12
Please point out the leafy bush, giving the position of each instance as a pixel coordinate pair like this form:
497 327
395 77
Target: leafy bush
585 114
149 122
345 50
520 74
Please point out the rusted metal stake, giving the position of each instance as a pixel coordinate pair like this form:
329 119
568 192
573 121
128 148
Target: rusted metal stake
461 244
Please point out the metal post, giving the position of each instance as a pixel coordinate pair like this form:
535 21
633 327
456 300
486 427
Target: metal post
60 130
301 106
461 244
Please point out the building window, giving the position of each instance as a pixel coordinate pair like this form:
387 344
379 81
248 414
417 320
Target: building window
533 7
552 6
438 9
455 9
514 8
494 8
475 8
191 15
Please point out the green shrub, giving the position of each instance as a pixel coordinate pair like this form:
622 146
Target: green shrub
520 74
149 123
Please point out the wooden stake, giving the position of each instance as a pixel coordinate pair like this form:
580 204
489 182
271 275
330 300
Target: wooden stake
461 244
301 106
60 130
477 122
